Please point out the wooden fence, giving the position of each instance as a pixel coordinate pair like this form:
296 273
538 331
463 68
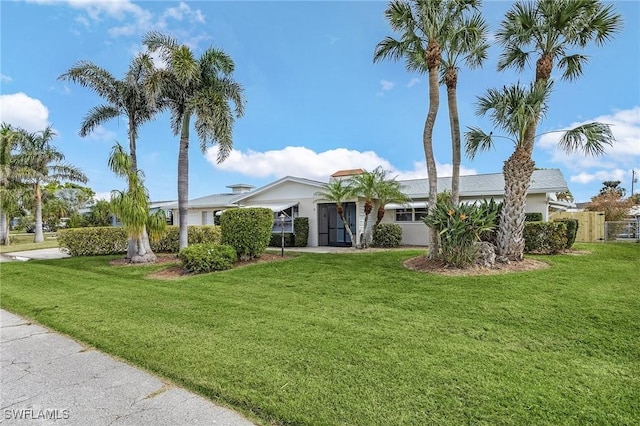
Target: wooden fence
590 225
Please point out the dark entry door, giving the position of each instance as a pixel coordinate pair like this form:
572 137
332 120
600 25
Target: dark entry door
331 230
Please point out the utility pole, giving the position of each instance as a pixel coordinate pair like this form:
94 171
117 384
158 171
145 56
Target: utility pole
633 179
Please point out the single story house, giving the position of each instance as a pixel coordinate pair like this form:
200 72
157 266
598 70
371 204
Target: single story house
291 197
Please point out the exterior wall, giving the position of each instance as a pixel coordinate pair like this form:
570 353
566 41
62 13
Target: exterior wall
286 191
413 233
537 203
195 216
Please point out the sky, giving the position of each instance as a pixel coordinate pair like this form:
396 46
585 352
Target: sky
315 101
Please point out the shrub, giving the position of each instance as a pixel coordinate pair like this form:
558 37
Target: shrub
247 230
301 227
93 241
387 235
276 240
196 234
491 209
572 230
533 217
207 257
459 227
545 237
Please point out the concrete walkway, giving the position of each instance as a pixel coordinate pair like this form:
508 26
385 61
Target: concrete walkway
48 379
48 253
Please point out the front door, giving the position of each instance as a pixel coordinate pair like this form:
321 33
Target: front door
331 229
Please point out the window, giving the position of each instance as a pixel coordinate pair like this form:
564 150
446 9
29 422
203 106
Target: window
404 215
420 213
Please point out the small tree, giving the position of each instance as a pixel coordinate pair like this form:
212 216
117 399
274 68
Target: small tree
337 192
610 201
132 206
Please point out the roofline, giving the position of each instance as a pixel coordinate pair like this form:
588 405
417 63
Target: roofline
262 189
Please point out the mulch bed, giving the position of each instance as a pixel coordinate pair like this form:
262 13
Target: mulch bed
424 264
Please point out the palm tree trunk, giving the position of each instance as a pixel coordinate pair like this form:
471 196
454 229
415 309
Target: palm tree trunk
427 142
4 228
454 123
132 246
39 235
183 182
517 179
348 228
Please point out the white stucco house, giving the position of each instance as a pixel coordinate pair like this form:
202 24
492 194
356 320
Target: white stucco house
295 197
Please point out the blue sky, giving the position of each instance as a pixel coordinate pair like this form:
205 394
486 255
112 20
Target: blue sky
316 103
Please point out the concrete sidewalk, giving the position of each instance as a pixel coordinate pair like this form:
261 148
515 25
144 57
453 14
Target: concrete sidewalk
48 253
48 379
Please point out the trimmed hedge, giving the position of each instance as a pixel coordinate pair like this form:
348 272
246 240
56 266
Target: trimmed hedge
387 235
572 230
276 240
207 257
301 226
197 234
113 240
93 241
545 237
247 230
533 217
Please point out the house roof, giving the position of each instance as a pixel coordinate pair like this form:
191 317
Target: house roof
542 181
280 181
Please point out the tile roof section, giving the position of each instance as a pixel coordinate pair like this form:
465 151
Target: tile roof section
349 172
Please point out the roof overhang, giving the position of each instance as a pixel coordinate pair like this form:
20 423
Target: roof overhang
409 205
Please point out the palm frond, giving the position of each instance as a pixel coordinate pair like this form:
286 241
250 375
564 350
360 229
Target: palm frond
572 66
97 116
90 75
591 139
477 140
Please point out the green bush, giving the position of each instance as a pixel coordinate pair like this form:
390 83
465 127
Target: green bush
533 217
207 257
458 228
196 234
545 237
572 230
247 230
301 228
93 241
276 240
491 209
387 235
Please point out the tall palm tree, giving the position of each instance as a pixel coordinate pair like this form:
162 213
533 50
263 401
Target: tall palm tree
466 42
512 109
424 26
132 206
338 191
43 163
126 97
195 87
547 31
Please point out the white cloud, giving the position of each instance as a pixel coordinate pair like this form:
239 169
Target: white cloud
600 176
5 78
303 162
100 133
182 12
20 110
387 85
413 82
625 151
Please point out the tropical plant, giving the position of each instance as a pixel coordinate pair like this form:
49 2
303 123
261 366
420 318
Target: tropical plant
424 26
100 214
545 30
132 207
388 191
126 97
612 186
9 179
466 42
195 87
338 191
367 185
513 109
459 228
41 163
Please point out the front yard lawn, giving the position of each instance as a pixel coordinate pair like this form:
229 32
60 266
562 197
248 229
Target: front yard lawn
358 339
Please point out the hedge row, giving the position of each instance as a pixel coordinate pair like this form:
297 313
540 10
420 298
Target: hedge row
113 240
545 237
572 230
387 235
247 230
207 257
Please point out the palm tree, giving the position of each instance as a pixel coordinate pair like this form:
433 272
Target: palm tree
42 163
547 29
467 41
388 191
126 97
367 185
195 87
424 26
337 191
513 109
9 181
132 206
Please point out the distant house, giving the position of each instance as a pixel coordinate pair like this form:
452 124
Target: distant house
291 197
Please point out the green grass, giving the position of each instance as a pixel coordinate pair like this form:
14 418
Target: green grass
24 241
357 339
